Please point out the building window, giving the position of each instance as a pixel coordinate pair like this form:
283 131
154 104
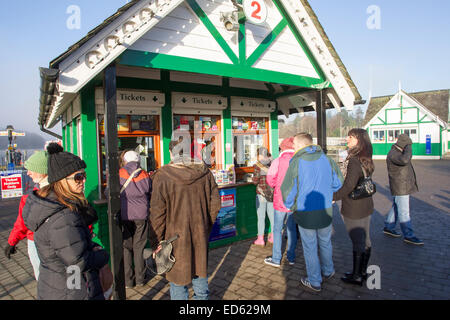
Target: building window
412 133
378 136
249 133
200 137
393 135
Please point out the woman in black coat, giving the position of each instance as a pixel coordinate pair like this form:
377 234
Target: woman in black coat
356 213
59 214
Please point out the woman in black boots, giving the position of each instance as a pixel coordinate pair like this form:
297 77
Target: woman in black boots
356 213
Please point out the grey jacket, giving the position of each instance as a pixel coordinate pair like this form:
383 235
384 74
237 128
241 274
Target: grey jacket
63 240
402 177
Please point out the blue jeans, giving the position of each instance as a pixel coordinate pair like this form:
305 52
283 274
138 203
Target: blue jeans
262 205
400 212
311 239
34 258
279 218
200 286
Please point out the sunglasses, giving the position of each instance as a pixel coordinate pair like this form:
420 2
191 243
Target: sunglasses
78 177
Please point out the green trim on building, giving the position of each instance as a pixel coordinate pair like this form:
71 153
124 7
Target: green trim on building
300 39
74 137
274 134
419 149
212 29
266 43
168 62
166 118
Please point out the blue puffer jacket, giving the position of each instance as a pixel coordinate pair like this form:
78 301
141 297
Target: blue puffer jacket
308 187
135 199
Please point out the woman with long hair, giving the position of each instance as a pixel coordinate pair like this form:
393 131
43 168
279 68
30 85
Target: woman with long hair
59 216
356 213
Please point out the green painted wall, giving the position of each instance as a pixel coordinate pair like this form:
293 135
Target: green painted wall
90 156
419 149
74 137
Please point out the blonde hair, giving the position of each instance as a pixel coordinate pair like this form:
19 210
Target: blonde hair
63 194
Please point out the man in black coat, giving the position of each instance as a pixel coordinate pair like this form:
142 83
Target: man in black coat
402 181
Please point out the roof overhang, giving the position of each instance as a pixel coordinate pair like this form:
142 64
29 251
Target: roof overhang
71 71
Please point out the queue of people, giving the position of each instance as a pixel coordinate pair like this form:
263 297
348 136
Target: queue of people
297 191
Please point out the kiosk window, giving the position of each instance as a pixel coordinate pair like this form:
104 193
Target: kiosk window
249 133
200 136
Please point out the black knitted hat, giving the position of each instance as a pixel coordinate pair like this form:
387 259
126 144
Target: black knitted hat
62 164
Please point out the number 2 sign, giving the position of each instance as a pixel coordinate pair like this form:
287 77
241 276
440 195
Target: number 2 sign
255 11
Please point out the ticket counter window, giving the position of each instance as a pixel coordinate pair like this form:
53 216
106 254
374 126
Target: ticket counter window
139 133
249 134
200 137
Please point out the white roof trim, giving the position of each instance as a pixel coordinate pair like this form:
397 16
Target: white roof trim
318 48
95 55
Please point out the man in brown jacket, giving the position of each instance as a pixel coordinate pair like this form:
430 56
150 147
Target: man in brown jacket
185 202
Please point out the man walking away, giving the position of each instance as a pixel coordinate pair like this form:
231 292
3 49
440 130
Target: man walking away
402 182
307 191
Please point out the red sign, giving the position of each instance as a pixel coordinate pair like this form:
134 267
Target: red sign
227 200
10 183
11 186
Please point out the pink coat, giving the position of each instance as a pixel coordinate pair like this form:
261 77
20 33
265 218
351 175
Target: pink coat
275 177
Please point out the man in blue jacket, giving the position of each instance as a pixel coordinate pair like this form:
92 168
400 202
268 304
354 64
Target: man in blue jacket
307 191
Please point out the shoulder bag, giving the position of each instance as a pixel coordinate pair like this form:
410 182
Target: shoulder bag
364 189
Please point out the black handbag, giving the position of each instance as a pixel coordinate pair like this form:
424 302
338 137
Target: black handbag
364 189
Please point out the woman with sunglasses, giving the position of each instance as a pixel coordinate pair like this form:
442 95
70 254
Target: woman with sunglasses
59 216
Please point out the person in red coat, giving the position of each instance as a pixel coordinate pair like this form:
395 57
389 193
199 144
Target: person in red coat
37 171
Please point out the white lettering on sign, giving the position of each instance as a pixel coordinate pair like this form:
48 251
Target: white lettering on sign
11 186
255 11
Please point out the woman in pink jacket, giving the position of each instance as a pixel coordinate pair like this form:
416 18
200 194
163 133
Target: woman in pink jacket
275 178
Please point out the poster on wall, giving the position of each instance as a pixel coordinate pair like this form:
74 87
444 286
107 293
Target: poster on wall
225 225
11 186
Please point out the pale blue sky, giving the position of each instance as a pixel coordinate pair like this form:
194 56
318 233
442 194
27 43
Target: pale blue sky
411 46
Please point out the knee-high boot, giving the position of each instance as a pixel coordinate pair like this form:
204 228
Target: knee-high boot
355 277
364 264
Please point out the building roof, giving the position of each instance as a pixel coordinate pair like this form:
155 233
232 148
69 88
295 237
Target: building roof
49 87
436 101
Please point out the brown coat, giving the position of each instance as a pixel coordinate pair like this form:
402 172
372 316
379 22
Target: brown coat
185 201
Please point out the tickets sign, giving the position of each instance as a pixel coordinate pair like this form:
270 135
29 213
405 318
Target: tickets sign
11 186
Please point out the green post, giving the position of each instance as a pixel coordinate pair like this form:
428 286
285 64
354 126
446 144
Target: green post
75 136
274 133
166 117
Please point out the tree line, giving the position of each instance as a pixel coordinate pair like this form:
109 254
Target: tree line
338 123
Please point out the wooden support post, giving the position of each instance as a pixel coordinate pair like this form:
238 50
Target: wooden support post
112 168
321 121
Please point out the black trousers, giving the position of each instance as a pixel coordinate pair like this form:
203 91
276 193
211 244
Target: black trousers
135 235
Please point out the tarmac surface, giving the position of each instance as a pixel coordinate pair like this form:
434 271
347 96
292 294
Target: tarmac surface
237 271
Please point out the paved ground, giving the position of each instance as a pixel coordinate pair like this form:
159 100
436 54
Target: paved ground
238 271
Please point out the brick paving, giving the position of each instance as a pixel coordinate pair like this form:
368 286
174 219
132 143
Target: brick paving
237 271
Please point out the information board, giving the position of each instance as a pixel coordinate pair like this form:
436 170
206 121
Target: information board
225 224
11 186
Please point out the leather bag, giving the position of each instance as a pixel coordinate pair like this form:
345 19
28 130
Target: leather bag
364 189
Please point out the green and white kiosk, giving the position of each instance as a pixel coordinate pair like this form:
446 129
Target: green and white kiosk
424 116
217 73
